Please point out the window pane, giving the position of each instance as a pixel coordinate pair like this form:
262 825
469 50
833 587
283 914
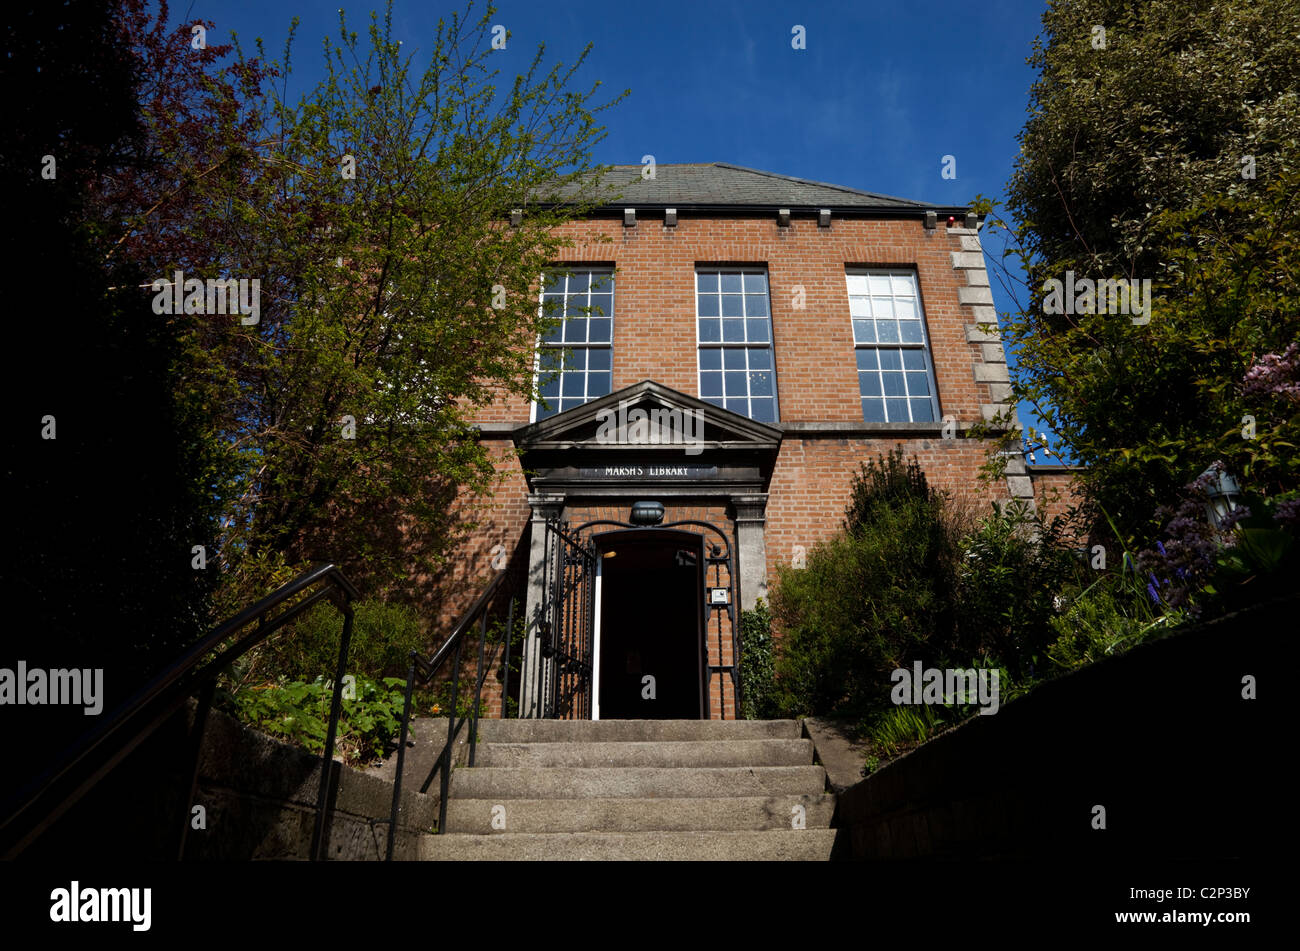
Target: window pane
913 360
888 330
574 384
706 282
577 360
864 331
554 335
549 388
733 305
867 360
599 359
870 383
860 306
756 305
733 331
922 411
602 283
710 384
918 384
893 384
735 383
873 411
599 329
733 359
575 330
598 384
896 410
605 302
904 285
882 307
740 406
858 284
549 360
760 359
552 282
573 306
905 308
889 360
755 284
879 283
715 400
709 305
764 410
730 283
910 331
711 359
579 281
760 383
757 330
710 330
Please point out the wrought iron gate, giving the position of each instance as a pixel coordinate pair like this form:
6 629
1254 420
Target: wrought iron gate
567 622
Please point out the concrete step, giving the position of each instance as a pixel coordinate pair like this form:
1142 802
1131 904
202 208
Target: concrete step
634 731
810 845
676 753
738 814
638 782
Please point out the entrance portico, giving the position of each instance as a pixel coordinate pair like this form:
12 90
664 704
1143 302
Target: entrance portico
708 470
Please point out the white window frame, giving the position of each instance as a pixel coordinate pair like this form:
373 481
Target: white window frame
923 345
541 346
723 346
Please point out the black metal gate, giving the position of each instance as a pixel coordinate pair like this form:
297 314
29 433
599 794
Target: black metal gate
567 623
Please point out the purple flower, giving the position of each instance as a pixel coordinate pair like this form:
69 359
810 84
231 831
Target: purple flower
1152 591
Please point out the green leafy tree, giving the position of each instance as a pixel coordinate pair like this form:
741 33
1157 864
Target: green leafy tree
1169 154
395 294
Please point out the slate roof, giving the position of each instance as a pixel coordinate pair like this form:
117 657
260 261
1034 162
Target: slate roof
723 185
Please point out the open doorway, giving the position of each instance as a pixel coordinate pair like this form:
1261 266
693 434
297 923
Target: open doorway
649 603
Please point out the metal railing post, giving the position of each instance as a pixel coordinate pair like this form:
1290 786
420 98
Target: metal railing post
401 759
327 757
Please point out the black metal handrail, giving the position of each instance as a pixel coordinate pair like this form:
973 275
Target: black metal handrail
426 670
35 807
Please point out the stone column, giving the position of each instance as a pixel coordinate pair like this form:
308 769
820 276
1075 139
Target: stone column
545 508
751 554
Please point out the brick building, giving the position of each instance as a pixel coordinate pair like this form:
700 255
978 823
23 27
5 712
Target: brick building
739 345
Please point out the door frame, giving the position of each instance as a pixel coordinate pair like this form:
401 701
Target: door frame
668 538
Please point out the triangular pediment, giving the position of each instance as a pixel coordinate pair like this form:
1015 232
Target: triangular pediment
647 416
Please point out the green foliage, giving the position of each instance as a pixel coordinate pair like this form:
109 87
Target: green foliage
869 600
1132 167
298 712
383 634
1013 566
898 729
380 331
757 665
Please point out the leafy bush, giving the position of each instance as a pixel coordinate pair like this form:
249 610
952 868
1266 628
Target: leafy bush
872 599
1013 566
298 711
383 634
759 700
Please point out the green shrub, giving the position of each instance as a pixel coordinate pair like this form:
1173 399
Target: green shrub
298 712
382 636
759 700
869 600
1013 567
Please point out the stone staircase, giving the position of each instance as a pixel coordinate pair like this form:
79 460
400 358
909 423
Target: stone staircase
563 790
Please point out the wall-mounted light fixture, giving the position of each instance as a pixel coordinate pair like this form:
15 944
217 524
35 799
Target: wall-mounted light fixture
783 217
629 217
670 218
647 513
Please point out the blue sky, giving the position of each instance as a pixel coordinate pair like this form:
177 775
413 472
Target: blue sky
881 93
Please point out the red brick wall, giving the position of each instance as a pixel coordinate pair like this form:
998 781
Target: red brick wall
654 305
